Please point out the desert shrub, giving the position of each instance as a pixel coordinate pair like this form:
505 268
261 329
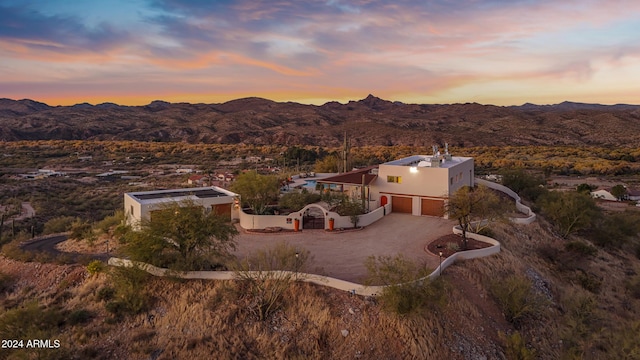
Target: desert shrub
581 247
295 201
589 282
5 282
527 185
516 347
105 225
486 232
585 188
580 321
407 290
453 246
130 296
30 321
265 287
79 317
622 343
95 266
633 286
351 208
13 251
568 211
59 224
80 230
333 200
615 230
516 297
106 293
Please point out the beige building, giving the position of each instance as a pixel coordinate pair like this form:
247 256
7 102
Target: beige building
420 184
417 185
140 205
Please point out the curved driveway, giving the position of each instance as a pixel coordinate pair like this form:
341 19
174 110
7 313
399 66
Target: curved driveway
342 254
48 244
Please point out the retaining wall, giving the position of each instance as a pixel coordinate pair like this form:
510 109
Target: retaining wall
531 216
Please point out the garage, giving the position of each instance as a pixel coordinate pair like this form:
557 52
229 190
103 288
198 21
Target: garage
221 209
432 207
401 204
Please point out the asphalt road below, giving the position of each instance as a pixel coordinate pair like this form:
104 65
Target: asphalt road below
48 244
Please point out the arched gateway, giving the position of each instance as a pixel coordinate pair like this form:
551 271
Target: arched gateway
313 216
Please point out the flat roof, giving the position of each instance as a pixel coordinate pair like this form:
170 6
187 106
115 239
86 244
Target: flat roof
200 193
415 160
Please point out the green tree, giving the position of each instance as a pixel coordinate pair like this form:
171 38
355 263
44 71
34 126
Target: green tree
585 188
182 236
474 209
619 191
568 211
525 184
256 190
617 229
351 208
297 200
328 164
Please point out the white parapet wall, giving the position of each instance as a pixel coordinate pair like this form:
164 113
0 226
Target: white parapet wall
531 216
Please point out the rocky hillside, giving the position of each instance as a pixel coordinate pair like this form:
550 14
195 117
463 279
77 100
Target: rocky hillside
371 121
562 304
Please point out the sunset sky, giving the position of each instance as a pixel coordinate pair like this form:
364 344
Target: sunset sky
499 52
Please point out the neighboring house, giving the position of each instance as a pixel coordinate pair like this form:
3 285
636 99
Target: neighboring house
141 205
200 180
633 194
418 184
604 194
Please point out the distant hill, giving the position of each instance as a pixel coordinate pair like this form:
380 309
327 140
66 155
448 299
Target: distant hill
370 121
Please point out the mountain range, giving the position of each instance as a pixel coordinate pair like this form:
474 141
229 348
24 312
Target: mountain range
370 121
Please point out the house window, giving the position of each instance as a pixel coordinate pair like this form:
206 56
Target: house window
451 181
131 210
394 179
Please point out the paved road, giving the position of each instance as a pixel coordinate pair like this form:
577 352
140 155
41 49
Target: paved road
48 244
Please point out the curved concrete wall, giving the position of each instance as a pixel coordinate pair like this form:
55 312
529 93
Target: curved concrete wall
347 285
343 285
531 216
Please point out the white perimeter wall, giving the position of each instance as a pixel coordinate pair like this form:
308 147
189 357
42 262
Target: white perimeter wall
250 221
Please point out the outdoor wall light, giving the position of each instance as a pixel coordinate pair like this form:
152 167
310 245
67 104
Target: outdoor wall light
413 169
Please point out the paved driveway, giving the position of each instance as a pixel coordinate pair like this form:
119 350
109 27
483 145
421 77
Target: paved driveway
342 254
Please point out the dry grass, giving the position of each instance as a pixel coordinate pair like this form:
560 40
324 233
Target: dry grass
201 319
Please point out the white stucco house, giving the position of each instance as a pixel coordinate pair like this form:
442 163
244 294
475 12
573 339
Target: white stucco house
420 184
140 205
417 185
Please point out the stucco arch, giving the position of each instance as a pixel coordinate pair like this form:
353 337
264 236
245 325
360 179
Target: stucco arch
319 210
